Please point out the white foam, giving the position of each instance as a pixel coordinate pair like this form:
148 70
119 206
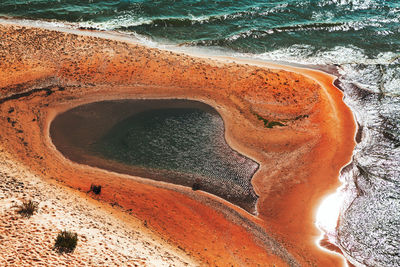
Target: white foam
298 53
304 54
123 21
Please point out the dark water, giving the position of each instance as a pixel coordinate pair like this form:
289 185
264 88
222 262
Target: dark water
360 39
176 141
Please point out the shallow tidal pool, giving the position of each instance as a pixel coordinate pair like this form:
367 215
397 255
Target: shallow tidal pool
176 141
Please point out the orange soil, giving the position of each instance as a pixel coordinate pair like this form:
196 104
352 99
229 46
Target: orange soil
299 162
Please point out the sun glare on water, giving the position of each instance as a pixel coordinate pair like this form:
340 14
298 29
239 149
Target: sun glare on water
328 213
327 218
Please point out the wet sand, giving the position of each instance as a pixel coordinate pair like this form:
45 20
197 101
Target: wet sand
47 72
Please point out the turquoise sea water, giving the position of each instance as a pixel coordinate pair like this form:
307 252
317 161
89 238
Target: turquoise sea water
359 40
335 28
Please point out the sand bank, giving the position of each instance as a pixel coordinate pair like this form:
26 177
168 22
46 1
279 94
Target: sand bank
45 72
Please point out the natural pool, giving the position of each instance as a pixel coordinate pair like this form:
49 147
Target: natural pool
176 141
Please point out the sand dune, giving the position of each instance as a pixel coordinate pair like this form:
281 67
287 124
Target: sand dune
106 236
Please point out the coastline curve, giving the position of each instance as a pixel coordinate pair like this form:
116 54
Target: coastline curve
314 143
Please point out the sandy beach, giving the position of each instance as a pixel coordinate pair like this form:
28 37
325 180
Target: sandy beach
45 72
107 236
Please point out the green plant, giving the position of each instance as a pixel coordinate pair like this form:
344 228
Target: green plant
268 124
196 186
95 189
27 208
66 241
301 117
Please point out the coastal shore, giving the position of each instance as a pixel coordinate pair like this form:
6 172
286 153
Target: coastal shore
107 235
45 72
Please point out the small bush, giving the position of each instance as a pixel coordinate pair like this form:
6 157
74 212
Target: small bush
27 208
66 241
196 186
269 124
95 189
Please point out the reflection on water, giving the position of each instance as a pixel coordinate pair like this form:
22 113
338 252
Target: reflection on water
368 229
176 141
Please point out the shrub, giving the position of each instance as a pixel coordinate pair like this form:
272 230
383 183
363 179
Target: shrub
95 189
66 241
27 208
268 124
196 186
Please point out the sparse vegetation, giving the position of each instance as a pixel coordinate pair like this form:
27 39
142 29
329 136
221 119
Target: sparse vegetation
27 208
95 189
301 117
267 123
196 186
271 124
66 241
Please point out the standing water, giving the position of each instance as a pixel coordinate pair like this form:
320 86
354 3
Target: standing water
176 141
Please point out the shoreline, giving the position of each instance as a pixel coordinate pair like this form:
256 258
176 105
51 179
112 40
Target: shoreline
103 229
75 146
273 109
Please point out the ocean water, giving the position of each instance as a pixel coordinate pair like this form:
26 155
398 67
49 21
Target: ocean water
358 40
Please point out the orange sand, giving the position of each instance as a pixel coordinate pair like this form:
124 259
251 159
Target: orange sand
299 162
